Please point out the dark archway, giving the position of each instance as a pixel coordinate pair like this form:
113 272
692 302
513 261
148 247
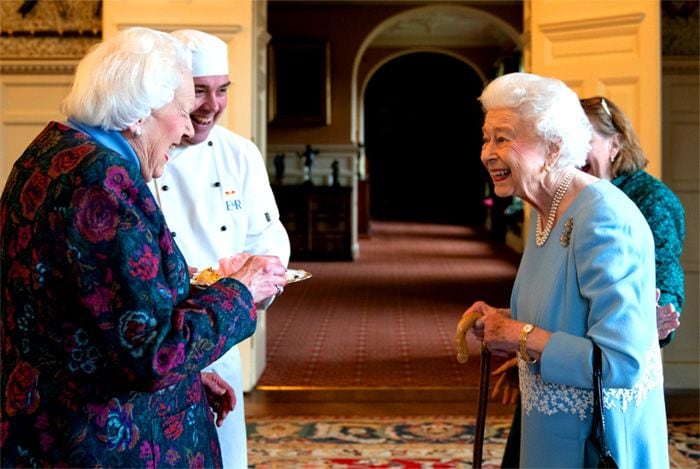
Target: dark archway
423 140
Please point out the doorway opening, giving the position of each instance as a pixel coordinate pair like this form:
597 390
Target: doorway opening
423 141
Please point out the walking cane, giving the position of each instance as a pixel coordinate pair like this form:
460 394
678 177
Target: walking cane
467 322
481 406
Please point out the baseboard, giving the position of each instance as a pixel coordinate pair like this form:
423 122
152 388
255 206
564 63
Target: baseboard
682 403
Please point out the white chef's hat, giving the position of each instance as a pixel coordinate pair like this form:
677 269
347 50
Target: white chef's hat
209 53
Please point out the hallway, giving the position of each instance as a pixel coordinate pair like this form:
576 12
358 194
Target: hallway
387 319
361 365
375 336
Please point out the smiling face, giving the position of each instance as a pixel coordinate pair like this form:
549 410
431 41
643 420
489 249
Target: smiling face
511 153
165 128
211 98
603 151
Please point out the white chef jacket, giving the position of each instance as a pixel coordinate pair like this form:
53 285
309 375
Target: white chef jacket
217 201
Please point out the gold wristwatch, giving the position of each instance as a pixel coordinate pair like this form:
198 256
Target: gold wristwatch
527 328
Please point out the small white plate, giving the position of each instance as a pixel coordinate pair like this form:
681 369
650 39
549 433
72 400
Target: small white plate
297 275
292 275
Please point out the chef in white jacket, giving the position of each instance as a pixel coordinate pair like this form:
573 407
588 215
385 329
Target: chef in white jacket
216 197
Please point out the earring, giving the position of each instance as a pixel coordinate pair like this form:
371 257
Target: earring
547 168
137 132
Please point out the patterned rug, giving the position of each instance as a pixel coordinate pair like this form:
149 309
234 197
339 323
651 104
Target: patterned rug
403 442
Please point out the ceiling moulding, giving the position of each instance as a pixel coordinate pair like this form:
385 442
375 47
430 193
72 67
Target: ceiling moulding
571 41
444 26
38 67
224 31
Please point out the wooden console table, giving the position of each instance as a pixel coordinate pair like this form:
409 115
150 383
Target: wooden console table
318 220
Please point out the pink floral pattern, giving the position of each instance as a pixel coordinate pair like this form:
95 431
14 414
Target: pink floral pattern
102 339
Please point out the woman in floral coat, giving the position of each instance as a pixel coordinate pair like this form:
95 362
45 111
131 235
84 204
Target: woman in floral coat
102 338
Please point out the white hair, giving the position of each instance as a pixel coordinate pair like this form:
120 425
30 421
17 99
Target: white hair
126 77
552 107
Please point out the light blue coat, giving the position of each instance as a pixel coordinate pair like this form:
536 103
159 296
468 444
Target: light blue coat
599 285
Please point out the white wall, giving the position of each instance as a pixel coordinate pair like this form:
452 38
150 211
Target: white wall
681 171
30 94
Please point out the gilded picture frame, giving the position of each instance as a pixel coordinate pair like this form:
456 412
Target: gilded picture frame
299 82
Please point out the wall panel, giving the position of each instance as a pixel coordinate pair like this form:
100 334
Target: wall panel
23 116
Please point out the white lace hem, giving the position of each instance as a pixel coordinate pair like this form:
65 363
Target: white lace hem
550 398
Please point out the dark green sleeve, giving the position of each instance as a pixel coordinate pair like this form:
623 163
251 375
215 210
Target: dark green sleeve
665 216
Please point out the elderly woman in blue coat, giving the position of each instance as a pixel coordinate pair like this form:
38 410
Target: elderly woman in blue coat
102 338
586 276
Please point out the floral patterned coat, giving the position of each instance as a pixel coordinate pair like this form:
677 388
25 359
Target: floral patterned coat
102 339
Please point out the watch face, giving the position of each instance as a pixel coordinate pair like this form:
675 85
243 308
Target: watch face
528 327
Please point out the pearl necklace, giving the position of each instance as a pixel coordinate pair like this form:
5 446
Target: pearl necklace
541 235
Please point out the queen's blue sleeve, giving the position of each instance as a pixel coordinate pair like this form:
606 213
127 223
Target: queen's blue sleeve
613 257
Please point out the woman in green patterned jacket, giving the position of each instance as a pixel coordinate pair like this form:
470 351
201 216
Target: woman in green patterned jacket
617 156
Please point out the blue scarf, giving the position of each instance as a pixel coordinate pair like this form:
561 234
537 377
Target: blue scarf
111 139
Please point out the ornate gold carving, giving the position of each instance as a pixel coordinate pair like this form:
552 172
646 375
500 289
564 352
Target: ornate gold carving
679 26
56 29
38 67
58 17
44 48
681 65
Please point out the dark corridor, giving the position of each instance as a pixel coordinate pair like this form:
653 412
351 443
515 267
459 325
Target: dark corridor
423 140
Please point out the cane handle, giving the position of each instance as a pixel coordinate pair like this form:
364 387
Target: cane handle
466 323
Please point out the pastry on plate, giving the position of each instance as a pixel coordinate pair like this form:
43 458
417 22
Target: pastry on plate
206 277
210 275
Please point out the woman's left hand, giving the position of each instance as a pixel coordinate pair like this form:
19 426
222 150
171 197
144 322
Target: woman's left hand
500 333
264 275
667 318
482 308
220 395
469 322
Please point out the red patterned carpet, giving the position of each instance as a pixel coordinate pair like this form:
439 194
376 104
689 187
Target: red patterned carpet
435 442
388 318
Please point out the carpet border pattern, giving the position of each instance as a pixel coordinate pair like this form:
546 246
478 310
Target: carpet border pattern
439 442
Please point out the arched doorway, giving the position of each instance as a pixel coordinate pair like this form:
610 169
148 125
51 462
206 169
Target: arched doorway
423 139
469 38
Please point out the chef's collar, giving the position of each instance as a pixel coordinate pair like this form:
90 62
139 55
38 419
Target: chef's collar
111 139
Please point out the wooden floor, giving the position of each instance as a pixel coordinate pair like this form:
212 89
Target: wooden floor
406 402
366 402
